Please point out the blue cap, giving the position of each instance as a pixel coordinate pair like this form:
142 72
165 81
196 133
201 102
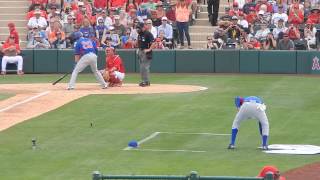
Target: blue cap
133 144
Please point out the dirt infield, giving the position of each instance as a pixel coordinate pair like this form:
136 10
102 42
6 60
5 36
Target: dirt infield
307 172
32 100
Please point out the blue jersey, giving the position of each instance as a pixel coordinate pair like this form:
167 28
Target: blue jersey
254 99
84 46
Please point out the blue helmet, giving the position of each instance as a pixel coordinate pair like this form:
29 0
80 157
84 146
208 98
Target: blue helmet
78 35
238 101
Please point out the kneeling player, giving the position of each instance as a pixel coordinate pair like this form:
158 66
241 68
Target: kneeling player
114 72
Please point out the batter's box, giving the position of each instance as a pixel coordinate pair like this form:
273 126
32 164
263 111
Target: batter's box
181 142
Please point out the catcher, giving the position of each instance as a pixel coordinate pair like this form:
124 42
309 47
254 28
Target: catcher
114 72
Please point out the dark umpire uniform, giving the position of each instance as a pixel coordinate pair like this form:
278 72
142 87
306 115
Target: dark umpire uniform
145 40
213 11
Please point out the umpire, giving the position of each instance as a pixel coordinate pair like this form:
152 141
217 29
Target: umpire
213 11
145 45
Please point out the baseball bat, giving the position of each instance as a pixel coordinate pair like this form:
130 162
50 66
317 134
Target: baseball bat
58 80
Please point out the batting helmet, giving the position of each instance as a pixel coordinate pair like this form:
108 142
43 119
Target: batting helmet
78 35
238 101
133 144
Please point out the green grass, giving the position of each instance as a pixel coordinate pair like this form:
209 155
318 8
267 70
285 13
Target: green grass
5 96
70 149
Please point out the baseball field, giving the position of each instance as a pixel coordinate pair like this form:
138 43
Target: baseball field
180 131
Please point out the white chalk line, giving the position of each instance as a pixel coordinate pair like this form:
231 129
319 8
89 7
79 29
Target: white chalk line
25 101
168 150
153 135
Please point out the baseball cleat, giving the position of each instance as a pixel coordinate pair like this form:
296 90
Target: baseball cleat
70 88
231 146
265 148
144 84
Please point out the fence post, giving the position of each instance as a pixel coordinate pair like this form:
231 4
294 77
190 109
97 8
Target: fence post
194 175
269 176
96 175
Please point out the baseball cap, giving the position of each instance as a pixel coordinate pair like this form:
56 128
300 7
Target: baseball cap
140 25
80 3
164 18
261 12
78 35
234 18
116 17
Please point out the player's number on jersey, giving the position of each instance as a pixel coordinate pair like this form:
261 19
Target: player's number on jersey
87 45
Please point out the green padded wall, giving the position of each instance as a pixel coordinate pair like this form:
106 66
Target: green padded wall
163 62
249 61
28 64
305 61
46 61
101 59
227 61
65 61
129 59
188 61
278 62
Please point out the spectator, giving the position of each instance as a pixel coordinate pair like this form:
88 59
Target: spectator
283 4
279 30
123 18
270 43
13 32
160 11
252 44
11 50
235 9
53 12
158 44
310 34
296 15
210 43
247 6
252 16
306 8
38 21
294 32
87 28
100 4
314 16
42 3
37 7
166 28
107 19
34 31
279 15
150 5
38 43
54 3
286 43
116 3
243 23
273 170
57 37
81 14
101 29
266 3
118 27
88 7
262 32
73 36
154 17
151 28
111 39
49 29
127 41
233 31
68 28
182 18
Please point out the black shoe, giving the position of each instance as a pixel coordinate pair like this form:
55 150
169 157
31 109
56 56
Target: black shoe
231 146
144 84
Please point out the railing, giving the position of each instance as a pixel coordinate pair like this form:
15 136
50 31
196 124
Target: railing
193 176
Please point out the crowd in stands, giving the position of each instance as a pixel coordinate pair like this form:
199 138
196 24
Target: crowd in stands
268 25
53 23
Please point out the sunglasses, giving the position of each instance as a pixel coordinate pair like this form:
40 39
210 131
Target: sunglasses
209 39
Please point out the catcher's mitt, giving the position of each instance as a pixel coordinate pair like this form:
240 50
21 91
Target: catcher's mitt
106 75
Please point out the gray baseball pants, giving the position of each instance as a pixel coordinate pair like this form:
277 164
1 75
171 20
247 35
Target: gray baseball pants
145 64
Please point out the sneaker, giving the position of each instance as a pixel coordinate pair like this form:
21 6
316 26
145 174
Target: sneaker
231 146
20 72
70 88
189 47
144 84
265 148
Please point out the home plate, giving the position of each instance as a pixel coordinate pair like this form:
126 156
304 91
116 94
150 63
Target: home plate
302 149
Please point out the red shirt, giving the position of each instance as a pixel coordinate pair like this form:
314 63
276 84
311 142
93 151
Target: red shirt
116 62
171 15
117 3
7 45
16 36
295 20
251 18
100 4
269 7
314 18
41 2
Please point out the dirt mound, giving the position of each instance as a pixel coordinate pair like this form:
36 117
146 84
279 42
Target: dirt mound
307 172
